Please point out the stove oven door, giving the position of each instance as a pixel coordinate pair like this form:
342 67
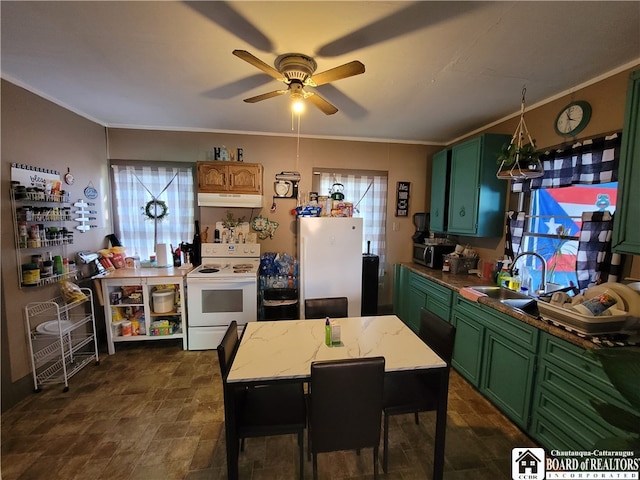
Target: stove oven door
213 303
219 301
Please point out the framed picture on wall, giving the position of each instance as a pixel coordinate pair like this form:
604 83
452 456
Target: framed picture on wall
402 199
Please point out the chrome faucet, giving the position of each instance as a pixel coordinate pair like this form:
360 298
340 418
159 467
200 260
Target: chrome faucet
543 283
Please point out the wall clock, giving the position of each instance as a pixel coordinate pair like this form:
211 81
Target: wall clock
90 192
573 118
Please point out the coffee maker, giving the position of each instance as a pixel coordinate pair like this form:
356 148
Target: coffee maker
421 221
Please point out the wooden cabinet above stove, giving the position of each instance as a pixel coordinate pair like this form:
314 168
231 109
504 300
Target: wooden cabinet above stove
230 177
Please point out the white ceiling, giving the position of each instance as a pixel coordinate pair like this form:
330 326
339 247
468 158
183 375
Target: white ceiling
434 70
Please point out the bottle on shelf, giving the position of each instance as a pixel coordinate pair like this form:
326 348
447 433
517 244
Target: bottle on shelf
196 246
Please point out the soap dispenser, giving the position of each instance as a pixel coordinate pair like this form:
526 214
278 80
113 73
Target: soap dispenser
514 281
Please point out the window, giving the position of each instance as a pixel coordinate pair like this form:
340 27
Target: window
367 190
579 179
553 229
153 203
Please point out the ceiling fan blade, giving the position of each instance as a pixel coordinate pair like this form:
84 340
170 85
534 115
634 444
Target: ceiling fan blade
256 62
265 96
343 71
226 17
321 103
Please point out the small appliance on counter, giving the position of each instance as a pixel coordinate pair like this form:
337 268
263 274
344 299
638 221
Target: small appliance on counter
421 221
430 254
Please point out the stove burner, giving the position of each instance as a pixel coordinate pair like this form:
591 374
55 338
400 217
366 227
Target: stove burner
209 270
243 266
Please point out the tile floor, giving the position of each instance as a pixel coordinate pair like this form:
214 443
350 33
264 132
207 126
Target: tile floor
155 412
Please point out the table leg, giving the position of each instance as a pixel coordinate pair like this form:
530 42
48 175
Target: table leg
231 433
441 426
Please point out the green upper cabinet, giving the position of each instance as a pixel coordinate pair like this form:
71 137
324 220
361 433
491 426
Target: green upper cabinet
626 234
477 198
439 191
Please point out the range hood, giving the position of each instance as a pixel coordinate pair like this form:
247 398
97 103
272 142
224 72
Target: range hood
229 200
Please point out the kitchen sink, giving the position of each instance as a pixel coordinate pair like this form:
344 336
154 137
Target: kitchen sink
510 298
501 293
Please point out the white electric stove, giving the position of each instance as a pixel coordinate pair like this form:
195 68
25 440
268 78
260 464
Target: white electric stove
222 289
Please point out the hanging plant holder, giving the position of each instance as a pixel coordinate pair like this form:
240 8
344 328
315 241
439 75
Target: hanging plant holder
520 160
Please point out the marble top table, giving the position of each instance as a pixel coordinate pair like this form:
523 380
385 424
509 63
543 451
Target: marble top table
281 351
284 350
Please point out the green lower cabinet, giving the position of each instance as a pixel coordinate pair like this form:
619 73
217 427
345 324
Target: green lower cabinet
507 378
467 350
417 300
400 288
413 292
566 382
497 354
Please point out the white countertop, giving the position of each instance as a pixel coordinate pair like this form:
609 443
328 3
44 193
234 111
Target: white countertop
284 349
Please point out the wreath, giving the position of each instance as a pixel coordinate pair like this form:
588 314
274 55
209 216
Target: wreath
155 209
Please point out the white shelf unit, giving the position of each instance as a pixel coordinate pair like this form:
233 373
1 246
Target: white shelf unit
58 353
51 211
119 307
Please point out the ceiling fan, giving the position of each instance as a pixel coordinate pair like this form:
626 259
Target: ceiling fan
297 71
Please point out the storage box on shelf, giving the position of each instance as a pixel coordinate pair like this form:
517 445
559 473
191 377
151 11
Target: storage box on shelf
62 338
140 307
40 226
461 264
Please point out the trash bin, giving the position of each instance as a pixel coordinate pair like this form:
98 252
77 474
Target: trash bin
280 304
370 264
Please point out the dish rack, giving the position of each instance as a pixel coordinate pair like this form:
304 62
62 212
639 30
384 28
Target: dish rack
62 338
612 321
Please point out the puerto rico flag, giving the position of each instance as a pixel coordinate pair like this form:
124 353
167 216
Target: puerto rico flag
557 212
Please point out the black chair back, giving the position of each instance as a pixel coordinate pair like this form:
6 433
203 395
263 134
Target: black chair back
334 307
227 349
261 410
346 404
438 334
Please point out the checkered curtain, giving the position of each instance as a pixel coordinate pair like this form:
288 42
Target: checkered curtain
590 162
514 231
368 193
595 262
133 188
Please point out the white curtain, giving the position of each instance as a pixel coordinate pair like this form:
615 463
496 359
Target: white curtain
134 187
368 193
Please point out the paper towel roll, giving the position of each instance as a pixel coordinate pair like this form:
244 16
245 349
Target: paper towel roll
163 255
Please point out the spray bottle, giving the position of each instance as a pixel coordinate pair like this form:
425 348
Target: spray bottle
504 276
327 332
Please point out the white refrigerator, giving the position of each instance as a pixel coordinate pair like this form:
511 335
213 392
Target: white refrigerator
330 260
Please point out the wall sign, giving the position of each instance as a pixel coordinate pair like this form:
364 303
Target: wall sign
34 176
402 199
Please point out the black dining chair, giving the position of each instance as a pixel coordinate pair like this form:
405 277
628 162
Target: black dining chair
345 407
418 392
262 410
334 307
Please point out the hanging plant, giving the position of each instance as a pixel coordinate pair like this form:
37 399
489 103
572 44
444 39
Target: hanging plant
526 155
155 209
519 160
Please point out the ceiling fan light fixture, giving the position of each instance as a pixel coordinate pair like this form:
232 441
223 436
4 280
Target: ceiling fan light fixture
298 105
295 70
296 66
